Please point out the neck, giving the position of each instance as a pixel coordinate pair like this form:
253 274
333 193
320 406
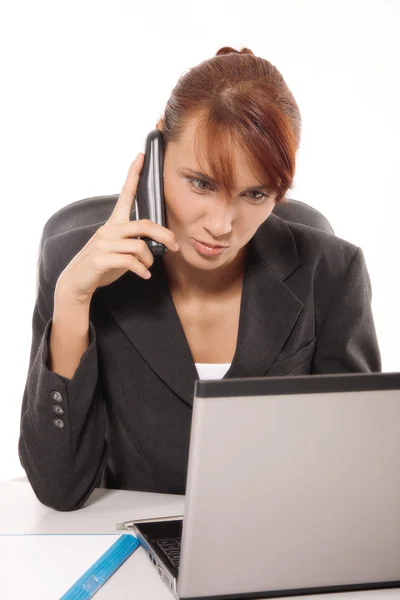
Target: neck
185 280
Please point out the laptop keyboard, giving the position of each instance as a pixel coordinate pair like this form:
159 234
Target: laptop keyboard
171 549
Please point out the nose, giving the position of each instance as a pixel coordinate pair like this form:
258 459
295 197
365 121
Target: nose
219 217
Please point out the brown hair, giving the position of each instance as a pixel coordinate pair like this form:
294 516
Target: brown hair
243 99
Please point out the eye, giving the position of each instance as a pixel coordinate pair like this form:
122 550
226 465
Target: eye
201 185
193 181
256 200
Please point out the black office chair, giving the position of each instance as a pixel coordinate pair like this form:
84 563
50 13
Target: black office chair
91 211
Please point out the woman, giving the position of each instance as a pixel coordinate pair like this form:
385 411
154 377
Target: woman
119 337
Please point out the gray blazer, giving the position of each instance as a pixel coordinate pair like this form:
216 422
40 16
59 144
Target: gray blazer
126 413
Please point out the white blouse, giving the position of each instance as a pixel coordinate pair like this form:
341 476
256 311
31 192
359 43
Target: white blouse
212 370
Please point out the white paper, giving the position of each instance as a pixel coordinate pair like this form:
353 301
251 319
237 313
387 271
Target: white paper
45 566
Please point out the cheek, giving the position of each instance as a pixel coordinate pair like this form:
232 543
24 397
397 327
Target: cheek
180 204
251 217
173 198
266 212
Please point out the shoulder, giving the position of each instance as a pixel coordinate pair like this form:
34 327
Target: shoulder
322 249
312 250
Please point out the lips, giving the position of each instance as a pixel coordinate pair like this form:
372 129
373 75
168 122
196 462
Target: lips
210 245
205 250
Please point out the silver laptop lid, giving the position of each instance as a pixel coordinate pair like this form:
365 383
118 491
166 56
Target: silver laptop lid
293 483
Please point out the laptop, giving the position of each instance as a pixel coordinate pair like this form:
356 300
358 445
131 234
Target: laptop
293 488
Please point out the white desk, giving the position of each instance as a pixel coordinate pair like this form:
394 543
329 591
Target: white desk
21 512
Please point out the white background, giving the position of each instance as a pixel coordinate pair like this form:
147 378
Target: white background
83 83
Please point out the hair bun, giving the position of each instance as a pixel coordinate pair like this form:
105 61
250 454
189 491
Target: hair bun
229 50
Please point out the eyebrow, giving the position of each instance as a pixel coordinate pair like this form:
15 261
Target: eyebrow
213 182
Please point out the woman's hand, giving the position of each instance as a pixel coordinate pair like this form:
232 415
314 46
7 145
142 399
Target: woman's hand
111 252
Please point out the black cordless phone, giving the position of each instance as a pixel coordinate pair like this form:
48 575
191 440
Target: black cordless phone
149 200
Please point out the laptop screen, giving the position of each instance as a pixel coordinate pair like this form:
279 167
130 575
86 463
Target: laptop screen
292 485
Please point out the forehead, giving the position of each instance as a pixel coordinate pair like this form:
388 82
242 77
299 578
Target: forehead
193 152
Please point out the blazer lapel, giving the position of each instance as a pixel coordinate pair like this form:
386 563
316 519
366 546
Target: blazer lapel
145 312
269 309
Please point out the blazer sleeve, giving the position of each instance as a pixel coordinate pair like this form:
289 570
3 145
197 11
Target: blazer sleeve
62 436
347 340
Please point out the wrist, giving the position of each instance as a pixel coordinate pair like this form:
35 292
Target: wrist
64 297
71 316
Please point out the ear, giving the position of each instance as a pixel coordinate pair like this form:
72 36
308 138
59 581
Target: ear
159 124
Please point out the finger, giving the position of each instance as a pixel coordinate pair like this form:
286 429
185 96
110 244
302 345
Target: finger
123 207
136 248
146 228
139 268
124 261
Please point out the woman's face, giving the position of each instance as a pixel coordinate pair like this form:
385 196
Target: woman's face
197 211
